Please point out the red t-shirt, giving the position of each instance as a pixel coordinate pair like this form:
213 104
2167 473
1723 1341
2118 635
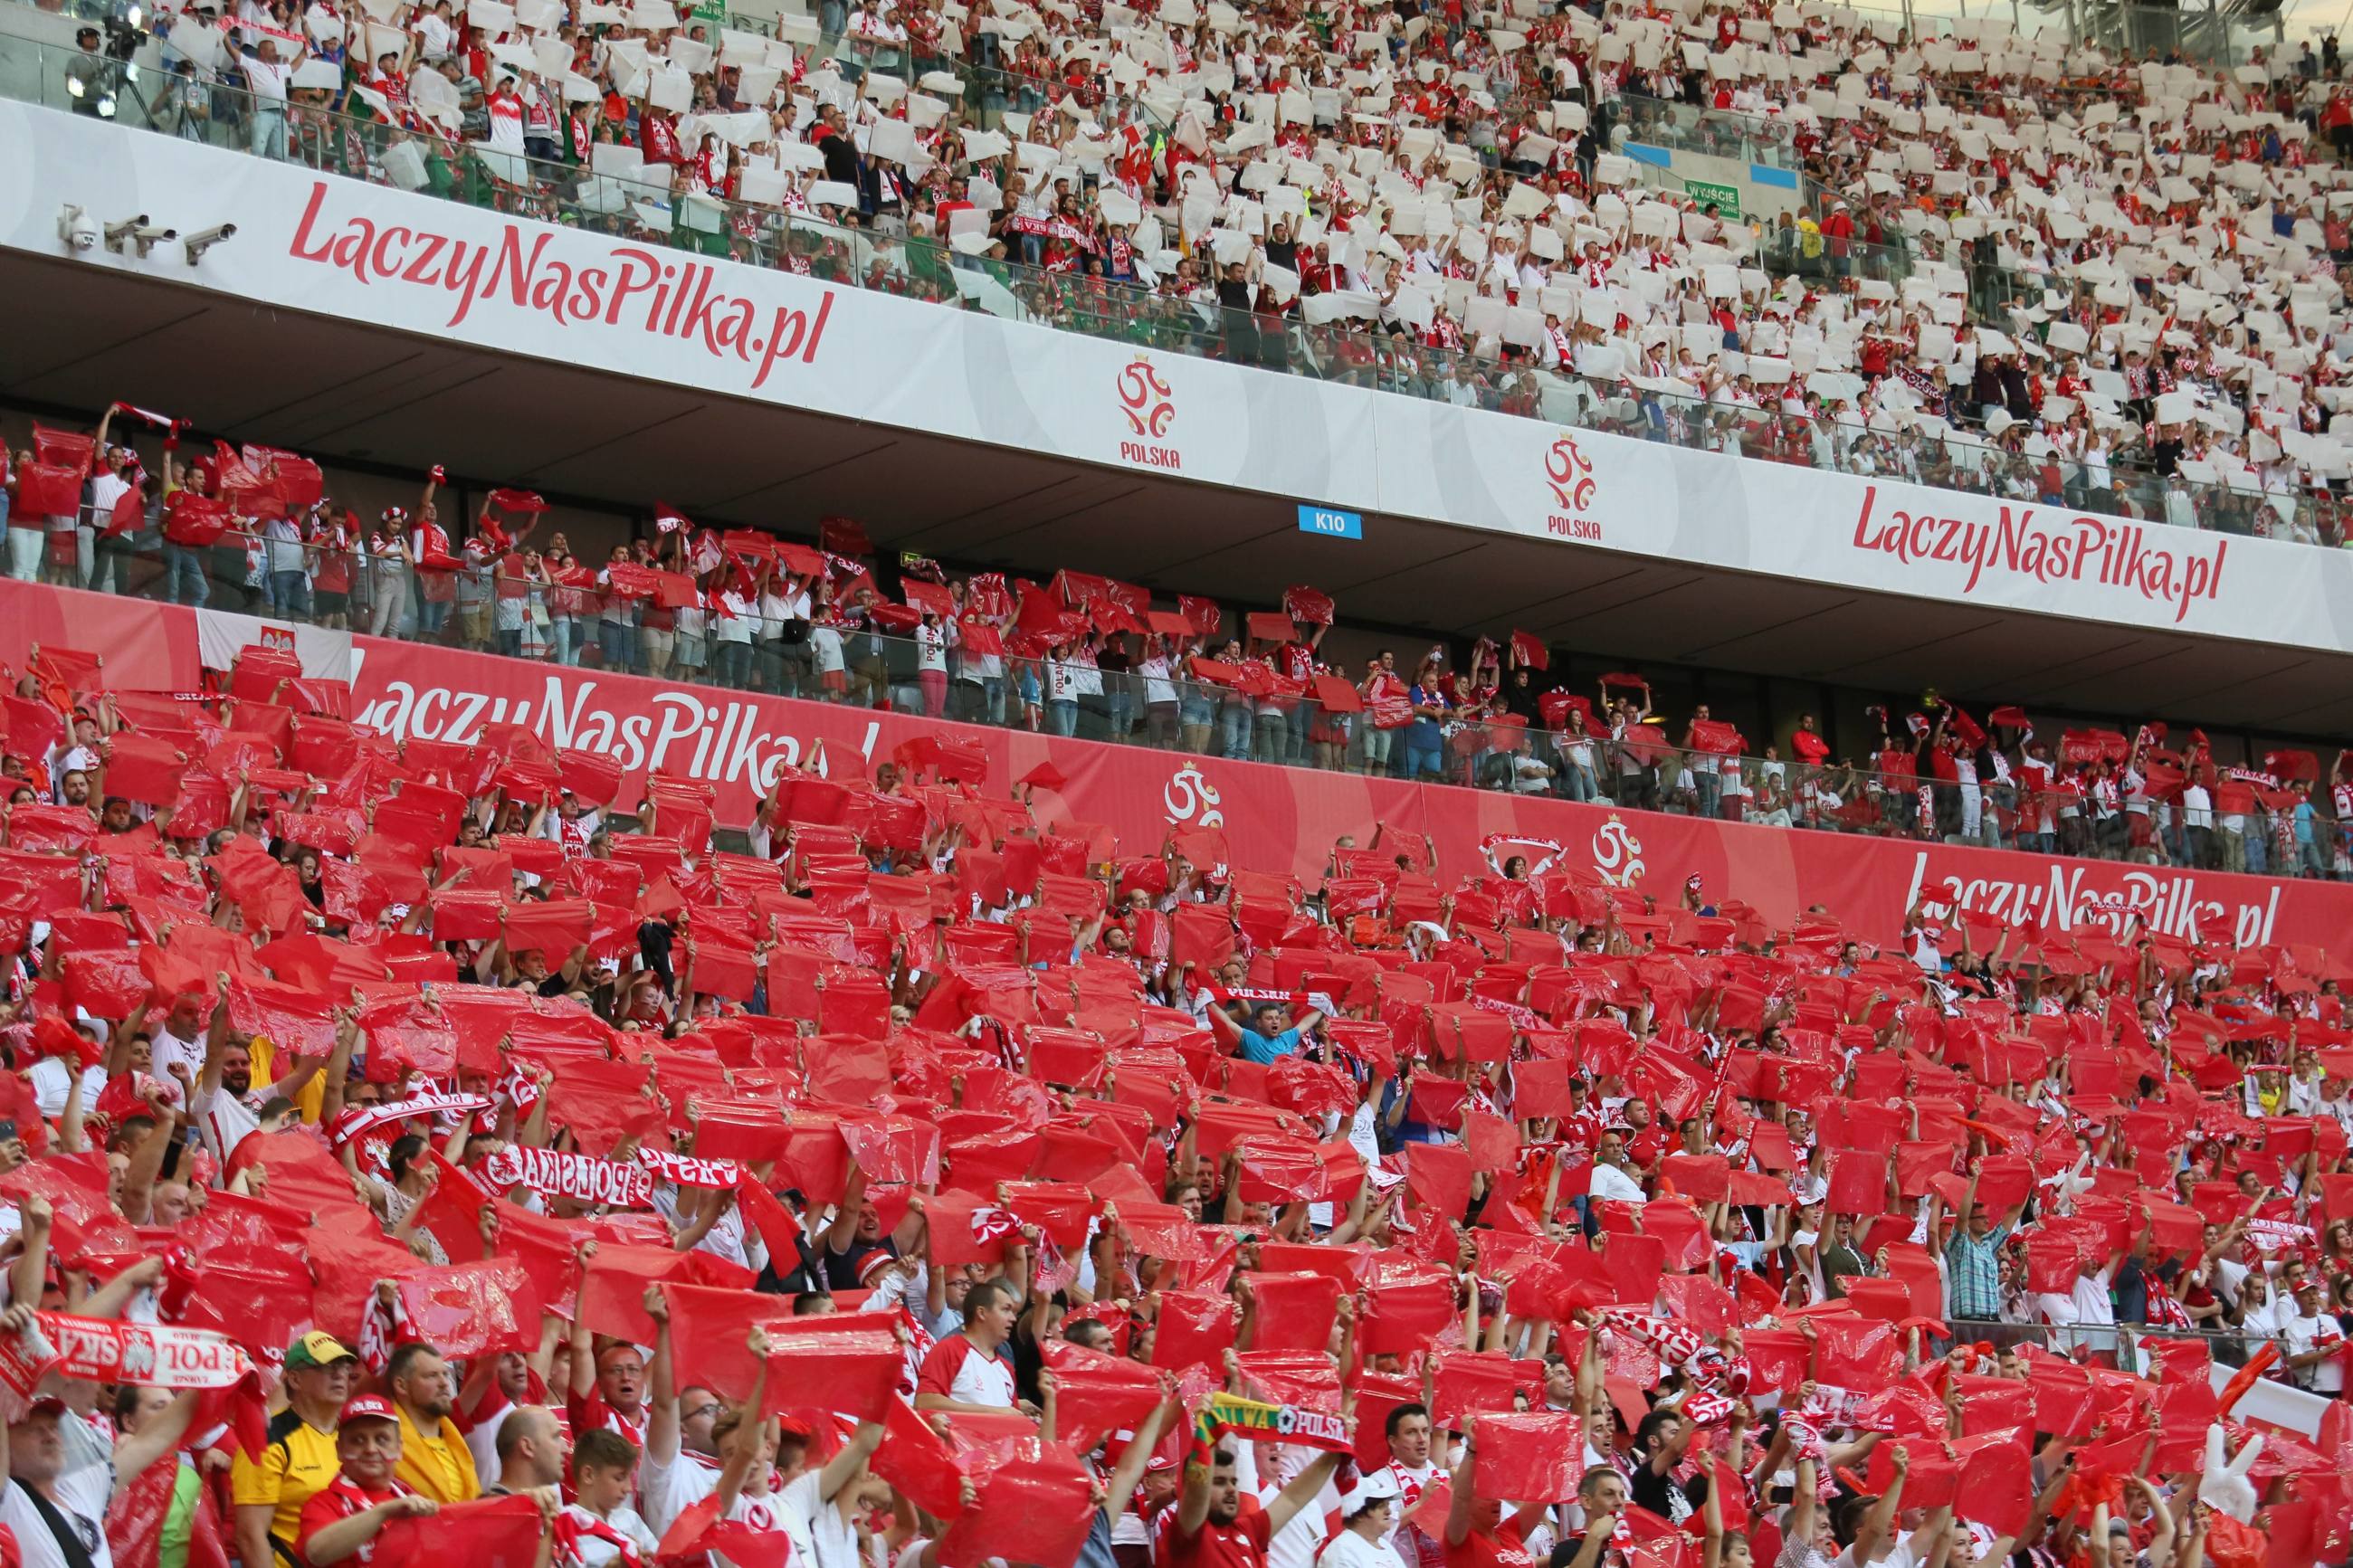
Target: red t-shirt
1503 1549
1241 1544
338 1500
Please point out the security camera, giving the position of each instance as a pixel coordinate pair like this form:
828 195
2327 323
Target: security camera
204 239
136 237
76 229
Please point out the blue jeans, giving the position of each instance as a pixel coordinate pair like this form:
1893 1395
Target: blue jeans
289 593
1234 731
1062 716
735 663
268 132
1123 712
620 642
1578 781
561 631
1273 737
1711 792
431 615
182 564
1424 758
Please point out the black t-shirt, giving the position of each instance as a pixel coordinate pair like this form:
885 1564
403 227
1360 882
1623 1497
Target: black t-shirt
841 159
841 1268
1027 1360
1650 1490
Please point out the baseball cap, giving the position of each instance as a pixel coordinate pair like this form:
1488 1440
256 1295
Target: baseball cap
1375 1485
317 1348
46 1404
368 1407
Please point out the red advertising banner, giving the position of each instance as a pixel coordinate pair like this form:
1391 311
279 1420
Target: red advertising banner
738 740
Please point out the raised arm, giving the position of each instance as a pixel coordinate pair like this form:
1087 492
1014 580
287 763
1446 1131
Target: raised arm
1875 1525
742 1445
1300 1492
661 1396
157 1438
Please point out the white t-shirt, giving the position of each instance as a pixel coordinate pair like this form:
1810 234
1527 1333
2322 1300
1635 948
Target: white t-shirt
1899 1555
825 647
53 1080
734 625
665 1491
962 1372
688 1481
593 1552
2304 1335
81 1497
269 78
168 1049
482 1441
821 1538
1609 1182
775 609
225 1120
105 490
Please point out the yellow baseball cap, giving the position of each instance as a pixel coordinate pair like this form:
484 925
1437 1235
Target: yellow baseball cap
317 1348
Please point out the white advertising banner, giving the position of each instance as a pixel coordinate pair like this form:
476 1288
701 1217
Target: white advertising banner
344 248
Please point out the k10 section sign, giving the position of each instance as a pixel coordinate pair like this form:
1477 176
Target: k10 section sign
1288 819
339 247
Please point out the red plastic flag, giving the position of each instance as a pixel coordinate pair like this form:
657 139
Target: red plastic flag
1526 1456
491 1532
1035 1508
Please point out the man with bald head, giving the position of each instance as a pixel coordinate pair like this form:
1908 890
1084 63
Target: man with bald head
531 1448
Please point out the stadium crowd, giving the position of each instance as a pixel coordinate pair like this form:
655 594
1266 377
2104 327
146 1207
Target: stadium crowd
413 1149
252 529
2046 273
421 1149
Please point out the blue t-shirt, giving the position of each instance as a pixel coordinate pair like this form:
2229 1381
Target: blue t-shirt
1425 731
1266 1051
